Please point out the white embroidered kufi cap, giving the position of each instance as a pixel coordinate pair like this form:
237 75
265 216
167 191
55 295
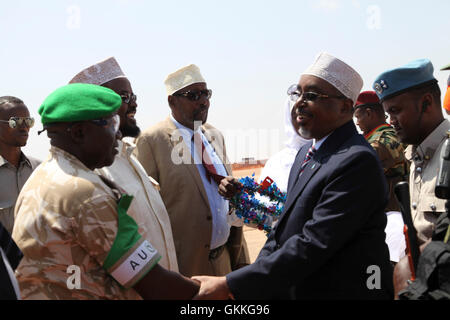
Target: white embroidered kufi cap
337 73
182 78
100 73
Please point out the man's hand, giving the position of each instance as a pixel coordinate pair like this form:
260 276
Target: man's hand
402 272
229 186
212 288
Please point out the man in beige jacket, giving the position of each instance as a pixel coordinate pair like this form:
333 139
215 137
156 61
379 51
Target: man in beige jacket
170 152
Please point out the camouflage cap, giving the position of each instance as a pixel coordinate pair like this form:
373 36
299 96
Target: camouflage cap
79 102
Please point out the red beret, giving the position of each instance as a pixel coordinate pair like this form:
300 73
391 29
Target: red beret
367 98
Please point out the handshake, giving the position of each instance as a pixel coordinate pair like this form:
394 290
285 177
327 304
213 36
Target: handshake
212 288
216 288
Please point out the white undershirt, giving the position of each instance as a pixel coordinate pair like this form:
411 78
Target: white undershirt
219 206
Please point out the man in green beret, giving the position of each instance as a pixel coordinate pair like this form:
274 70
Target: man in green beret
126 171
74 227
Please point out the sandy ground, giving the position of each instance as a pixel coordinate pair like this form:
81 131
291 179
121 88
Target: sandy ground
255 240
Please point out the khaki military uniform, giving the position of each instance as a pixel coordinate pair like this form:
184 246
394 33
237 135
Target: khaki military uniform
425 206
391 153
67 218
128 174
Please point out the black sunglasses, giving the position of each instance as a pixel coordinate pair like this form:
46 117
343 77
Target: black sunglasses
295 94
195 95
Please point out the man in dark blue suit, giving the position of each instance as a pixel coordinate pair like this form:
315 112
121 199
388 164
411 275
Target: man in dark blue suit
10 256
329 243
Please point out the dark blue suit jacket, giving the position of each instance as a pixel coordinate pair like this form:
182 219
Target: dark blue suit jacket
14 255
329 242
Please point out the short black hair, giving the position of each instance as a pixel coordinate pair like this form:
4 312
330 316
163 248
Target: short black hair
10 100
433 89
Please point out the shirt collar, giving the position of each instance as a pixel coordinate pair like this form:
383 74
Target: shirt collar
126 147
317 144
2 161
180 126
426 149
379 128
57 152
23 158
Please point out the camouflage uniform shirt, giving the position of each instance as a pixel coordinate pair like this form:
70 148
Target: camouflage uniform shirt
67 216
391 153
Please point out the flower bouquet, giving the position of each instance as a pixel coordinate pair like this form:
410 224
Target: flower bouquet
258 204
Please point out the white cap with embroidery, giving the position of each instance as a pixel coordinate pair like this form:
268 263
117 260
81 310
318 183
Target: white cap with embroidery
100 73
182 78
337 73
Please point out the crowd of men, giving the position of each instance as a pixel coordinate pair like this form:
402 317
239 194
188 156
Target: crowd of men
152 220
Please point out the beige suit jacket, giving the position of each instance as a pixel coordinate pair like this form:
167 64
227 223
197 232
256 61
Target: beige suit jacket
160 150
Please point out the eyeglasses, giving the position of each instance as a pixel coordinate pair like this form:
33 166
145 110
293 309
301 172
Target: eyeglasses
15 122
195 95
114 122
295 94
128 97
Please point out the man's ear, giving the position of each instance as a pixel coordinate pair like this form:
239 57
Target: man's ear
347 107
427 101
78 132
170 100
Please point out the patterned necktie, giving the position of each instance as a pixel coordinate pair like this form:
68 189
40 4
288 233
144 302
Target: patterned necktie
308 157
211 171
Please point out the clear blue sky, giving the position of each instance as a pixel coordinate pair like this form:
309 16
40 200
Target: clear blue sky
248 51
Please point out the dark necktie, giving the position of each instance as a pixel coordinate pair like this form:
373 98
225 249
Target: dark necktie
308 157
211 171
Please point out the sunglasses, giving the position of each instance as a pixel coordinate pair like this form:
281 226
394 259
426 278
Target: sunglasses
15 122
295 95
128 97
195 95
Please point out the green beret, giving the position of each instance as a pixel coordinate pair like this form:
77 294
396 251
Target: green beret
79 102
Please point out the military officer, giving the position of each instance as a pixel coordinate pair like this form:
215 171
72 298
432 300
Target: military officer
78 233
371 119
126 171
412 98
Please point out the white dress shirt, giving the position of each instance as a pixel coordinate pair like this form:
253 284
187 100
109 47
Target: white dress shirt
219 206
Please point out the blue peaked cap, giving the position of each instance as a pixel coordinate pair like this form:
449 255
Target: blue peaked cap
411 76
